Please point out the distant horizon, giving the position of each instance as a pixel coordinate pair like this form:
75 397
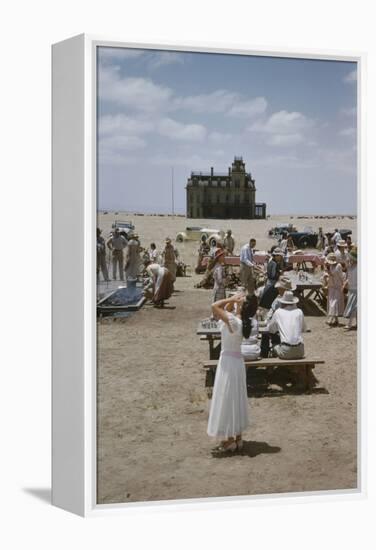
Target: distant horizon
180 214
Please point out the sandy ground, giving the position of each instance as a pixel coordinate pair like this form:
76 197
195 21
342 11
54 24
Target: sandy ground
153 404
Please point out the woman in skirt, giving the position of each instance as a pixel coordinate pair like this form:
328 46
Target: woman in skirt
351 284
334 280
219 291
228 416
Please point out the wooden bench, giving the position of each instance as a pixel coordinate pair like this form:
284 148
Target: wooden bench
303 367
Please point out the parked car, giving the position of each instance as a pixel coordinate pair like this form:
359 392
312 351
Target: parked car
277 231
308 237
304 239
196 234
126 228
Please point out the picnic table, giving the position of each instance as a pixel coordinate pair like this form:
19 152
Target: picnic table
301 260
261 258
309 286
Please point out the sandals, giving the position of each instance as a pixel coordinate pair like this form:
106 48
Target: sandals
226 446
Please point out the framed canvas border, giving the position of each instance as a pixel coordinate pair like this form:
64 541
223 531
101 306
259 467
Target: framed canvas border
74 184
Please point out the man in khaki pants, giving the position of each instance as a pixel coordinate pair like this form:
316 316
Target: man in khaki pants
247 265
117 243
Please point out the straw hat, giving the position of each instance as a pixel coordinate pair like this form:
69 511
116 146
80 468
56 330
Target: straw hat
341 242
277 252
288 298
331 259
285 282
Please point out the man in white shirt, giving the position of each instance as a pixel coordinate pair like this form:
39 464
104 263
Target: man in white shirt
288 320
342 254
336 237
247 265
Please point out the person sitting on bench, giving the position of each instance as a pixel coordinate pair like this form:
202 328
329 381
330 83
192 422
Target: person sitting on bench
284 283
288 320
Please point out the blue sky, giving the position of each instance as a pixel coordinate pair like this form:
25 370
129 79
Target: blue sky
292 120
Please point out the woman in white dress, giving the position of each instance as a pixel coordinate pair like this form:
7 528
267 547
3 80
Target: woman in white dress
351 284
228 415
334 279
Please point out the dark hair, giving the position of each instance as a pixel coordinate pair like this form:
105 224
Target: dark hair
152 245
249 309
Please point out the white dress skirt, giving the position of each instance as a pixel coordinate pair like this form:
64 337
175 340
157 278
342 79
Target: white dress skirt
336 300
228 415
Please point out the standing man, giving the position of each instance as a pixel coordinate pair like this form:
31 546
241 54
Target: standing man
116 243
336 237
247 265
101 256
229 242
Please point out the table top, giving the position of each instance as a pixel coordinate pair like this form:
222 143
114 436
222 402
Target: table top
311 281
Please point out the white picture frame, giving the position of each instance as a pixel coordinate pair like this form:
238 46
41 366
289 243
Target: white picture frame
74 320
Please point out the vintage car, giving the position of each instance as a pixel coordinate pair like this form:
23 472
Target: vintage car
276 232
196 234
126 228
308 237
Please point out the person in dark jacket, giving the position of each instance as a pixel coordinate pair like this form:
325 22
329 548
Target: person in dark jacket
273 271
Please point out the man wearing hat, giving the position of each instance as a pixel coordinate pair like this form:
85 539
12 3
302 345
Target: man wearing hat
219 276
116 243
342 254
169 258
101 256
247 266
284 283
229 242
289 322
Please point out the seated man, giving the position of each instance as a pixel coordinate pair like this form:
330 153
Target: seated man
284 283
288 320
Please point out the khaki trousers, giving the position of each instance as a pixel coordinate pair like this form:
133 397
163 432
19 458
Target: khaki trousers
118 260
247 278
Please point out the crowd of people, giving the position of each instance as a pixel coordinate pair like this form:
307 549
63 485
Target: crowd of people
238 318
131 262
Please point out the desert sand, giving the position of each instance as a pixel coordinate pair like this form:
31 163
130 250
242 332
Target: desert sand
153 405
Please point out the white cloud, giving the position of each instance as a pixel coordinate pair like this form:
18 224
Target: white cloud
283 122
120 143
348 132
219 137
284 140
249 108
350 77
138 93
214 102
120 124
160 59
185 132
222 101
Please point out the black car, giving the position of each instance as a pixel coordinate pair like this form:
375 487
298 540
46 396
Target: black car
308 238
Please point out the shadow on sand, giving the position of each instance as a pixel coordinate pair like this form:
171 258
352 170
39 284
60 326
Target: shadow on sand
250 449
